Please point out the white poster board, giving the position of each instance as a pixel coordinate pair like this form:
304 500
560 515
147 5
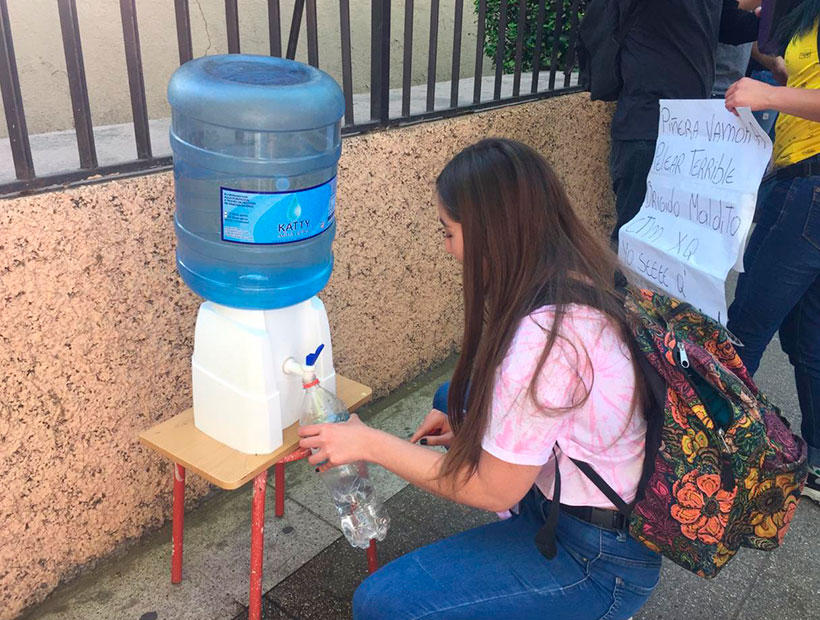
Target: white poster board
700 200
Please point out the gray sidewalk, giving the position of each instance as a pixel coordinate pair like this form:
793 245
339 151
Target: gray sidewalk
311 571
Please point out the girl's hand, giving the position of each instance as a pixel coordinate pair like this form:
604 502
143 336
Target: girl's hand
435 429
749 93
338 444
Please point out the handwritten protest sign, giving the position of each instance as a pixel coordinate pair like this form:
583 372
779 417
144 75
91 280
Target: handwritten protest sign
700 199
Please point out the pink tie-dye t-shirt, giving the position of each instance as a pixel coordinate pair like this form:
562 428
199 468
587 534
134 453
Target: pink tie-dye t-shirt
603 431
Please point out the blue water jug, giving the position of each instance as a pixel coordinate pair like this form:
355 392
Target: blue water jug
256 144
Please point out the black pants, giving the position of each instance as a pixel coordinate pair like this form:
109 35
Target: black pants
629 163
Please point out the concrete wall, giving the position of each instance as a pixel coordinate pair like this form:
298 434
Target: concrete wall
41 61
96 328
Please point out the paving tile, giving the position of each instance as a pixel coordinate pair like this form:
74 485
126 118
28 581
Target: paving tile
323 588
139 586
272 611
403 418
789 585
220 548
682 595
440 515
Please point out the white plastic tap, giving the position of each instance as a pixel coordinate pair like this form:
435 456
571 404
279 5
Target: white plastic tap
308 370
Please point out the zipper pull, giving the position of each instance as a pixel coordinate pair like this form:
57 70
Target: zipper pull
682 357
722 435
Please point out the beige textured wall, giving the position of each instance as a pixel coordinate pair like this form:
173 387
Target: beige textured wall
96 328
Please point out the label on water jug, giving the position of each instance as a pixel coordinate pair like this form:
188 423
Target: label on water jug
266 218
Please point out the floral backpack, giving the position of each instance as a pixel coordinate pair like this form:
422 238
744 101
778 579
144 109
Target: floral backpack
722 469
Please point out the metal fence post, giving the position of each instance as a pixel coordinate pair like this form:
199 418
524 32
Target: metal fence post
13 101
380 60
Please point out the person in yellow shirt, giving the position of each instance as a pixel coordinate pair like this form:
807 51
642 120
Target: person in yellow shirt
780 289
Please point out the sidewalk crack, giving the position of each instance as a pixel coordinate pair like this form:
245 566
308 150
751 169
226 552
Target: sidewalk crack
318 516
759 574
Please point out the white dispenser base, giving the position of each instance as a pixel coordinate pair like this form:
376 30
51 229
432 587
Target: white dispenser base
242 396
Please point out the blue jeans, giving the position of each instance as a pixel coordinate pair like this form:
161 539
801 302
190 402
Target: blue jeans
440 398
496 571
780 290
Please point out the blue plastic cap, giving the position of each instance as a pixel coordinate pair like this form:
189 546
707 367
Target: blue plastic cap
256 93
310 360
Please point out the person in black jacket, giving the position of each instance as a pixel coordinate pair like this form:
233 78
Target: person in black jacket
669 53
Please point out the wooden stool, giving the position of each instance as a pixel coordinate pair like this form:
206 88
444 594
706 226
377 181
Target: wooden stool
188 448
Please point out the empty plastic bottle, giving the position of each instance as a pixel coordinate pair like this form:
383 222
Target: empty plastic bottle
363 516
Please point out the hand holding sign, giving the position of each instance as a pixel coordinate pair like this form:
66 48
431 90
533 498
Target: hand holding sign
700 199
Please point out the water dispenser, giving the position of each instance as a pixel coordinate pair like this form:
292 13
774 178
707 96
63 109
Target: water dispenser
256 144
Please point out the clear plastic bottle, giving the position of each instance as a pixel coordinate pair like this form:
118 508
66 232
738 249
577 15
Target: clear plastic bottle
362 514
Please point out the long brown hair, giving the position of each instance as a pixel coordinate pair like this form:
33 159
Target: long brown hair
524 247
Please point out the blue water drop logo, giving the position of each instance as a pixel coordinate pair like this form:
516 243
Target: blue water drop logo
294 210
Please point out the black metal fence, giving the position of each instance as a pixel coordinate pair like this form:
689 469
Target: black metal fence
506 27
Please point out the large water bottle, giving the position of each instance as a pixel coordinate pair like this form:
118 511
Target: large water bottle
256 143
362 514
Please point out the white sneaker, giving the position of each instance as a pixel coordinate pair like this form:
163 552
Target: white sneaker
812 488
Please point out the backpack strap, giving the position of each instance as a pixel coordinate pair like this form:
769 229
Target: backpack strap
624 508
545 538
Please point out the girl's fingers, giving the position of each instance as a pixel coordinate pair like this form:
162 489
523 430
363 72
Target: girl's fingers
730 102
440 440
310 442
430 423
425 428
319 456
311 429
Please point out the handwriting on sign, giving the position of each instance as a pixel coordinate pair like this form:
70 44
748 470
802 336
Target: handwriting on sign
646 227
686 246
700 196
715 129
718 170
716 215
654 268
713 213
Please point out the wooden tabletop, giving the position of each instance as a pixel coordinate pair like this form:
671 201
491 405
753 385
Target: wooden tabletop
183 443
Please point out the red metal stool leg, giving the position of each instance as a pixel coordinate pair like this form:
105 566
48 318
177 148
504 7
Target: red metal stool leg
178 523
372 559
279 477
279 487
257 545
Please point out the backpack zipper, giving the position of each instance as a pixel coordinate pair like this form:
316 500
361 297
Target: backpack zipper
683 359
727 480
683 362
